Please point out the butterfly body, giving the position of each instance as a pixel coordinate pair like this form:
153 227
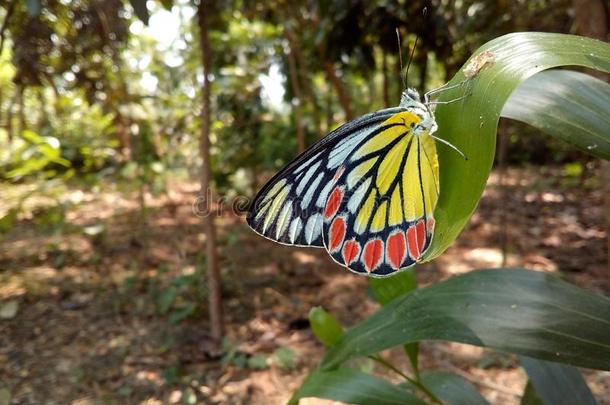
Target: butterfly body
366 192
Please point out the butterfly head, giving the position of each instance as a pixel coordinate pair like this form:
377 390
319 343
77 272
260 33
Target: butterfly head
410 100
410 97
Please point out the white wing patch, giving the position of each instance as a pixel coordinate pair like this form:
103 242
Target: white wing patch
321 201
307 177
340 153
313 228
295 228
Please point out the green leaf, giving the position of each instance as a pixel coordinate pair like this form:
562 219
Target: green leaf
183 313
517 311
257 362
166 300
557 384
530 397
139 7
452 389
285 358
471 123
386 289
354 387
571 106
7 221
326 328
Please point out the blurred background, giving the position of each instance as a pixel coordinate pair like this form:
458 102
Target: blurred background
107 291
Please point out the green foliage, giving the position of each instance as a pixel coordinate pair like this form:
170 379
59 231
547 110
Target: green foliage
354 387
177 298
452 389
471 124
553 102
285 358
34 154
509 310
326 328
557 384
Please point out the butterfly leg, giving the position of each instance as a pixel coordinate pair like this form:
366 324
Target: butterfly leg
449 101
444 87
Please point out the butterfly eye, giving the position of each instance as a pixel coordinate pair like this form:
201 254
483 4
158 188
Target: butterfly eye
412 94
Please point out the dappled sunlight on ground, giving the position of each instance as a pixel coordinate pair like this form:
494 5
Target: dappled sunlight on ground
95 319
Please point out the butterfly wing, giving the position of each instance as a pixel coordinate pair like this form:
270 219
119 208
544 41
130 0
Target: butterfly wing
378 216
289 208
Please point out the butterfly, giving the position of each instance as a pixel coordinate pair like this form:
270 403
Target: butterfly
366 192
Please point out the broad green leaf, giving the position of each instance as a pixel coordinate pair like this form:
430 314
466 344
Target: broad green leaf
386 289
471 123
354 387
452 389
530 396
557 384
571 106
325 326
518 311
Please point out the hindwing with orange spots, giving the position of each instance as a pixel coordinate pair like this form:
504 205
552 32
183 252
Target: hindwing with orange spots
378 216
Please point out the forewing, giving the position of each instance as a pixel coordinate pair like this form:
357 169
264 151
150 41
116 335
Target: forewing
289 208
378 217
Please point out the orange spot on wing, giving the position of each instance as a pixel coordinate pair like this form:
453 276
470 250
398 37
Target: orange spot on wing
396 249
332 205
430 225
372 254
336 234
412 242
421 235
351 250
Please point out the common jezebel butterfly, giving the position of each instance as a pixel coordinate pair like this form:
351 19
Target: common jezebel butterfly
366 192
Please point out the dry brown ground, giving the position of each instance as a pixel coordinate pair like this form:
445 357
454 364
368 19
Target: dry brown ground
89 330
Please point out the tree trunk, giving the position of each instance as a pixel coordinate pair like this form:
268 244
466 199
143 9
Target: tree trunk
344 100
21 109
213 273
43 118
591 20
1 104
9 118
305 79
296 90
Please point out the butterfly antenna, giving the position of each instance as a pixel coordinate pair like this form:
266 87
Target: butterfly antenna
450 145
424 13
411 59
404 84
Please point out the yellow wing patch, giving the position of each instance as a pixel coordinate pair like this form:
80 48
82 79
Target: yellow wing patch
396 128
